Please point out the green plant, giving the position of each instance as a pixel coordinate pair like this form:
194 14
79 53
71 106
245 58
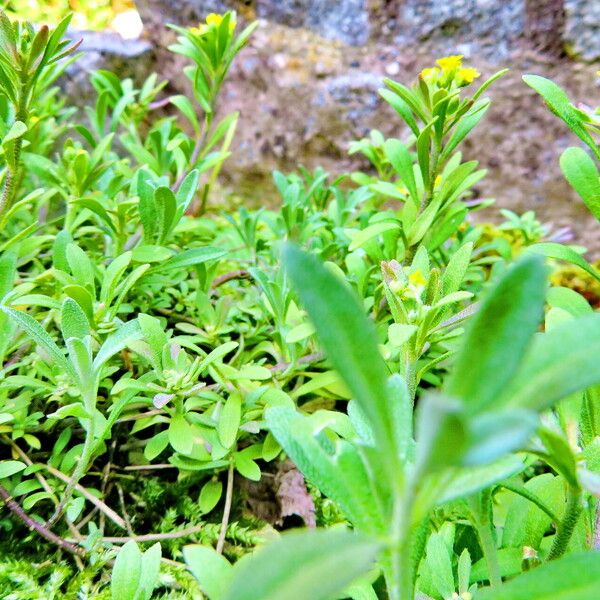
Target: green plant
167 378
579 168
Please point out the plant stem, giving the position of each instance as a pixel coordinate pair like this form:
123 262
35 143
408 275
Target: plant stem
34 525
80 469
226 510
155 537
488 545
482 518
568 523
10 181
525 493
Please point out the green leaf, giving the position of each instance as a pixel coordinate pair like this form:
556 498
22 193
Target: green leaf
229 420
39 335
245 464
126 573
465 126
188 258
147 208
212 571
17 130
156 444
574 577
181 434
8 270
350 341
560 104
10 467
149 253
399 156
499 335
581 172
526 523
313 565
166 205
186 109
440 564
340 474
114 343
187 190
559 363
558 251
495 434
456 269
74 322
81 267
210 494
150 571
114 272
468 480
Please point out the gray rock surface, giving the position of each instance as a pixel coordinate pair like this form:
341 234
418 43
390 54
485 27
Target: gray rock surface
344 20
465 25
582 28
105 50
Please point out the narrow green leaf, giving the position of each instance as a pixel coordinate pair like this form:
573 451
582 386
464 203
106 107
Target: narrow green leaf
348 338
400 158
581 172
560 252
312 565
499 335
560 104
229 420
39 335
114 343
188 258
574 577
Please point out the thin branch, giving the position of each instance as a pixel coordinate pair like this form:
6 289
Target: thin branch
239 274
34 525
154 537
101 506
309 358
157 467
125 515
226 510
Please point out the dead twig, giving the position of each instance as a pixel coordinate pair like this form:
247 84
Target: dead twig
34 525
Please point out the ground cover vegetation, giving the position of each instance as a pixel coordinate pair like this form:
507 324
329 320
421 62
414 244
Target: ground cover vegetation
430 382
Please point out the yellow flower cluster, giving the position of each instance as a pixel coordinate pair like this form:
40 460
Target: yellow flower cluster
213 20
450 70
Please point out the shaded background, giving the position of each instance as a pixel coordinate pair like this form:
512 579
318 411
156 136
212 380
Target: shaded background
307 83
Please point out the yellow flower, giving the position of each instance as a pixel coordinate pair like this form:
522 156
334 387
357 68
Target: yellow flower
467 75
214 19
416 278
200 30
450 63
437 181
430 75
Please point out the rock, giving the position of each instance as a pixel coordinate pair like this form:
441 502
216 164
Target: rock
486 26
343 20
133 58
582 28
